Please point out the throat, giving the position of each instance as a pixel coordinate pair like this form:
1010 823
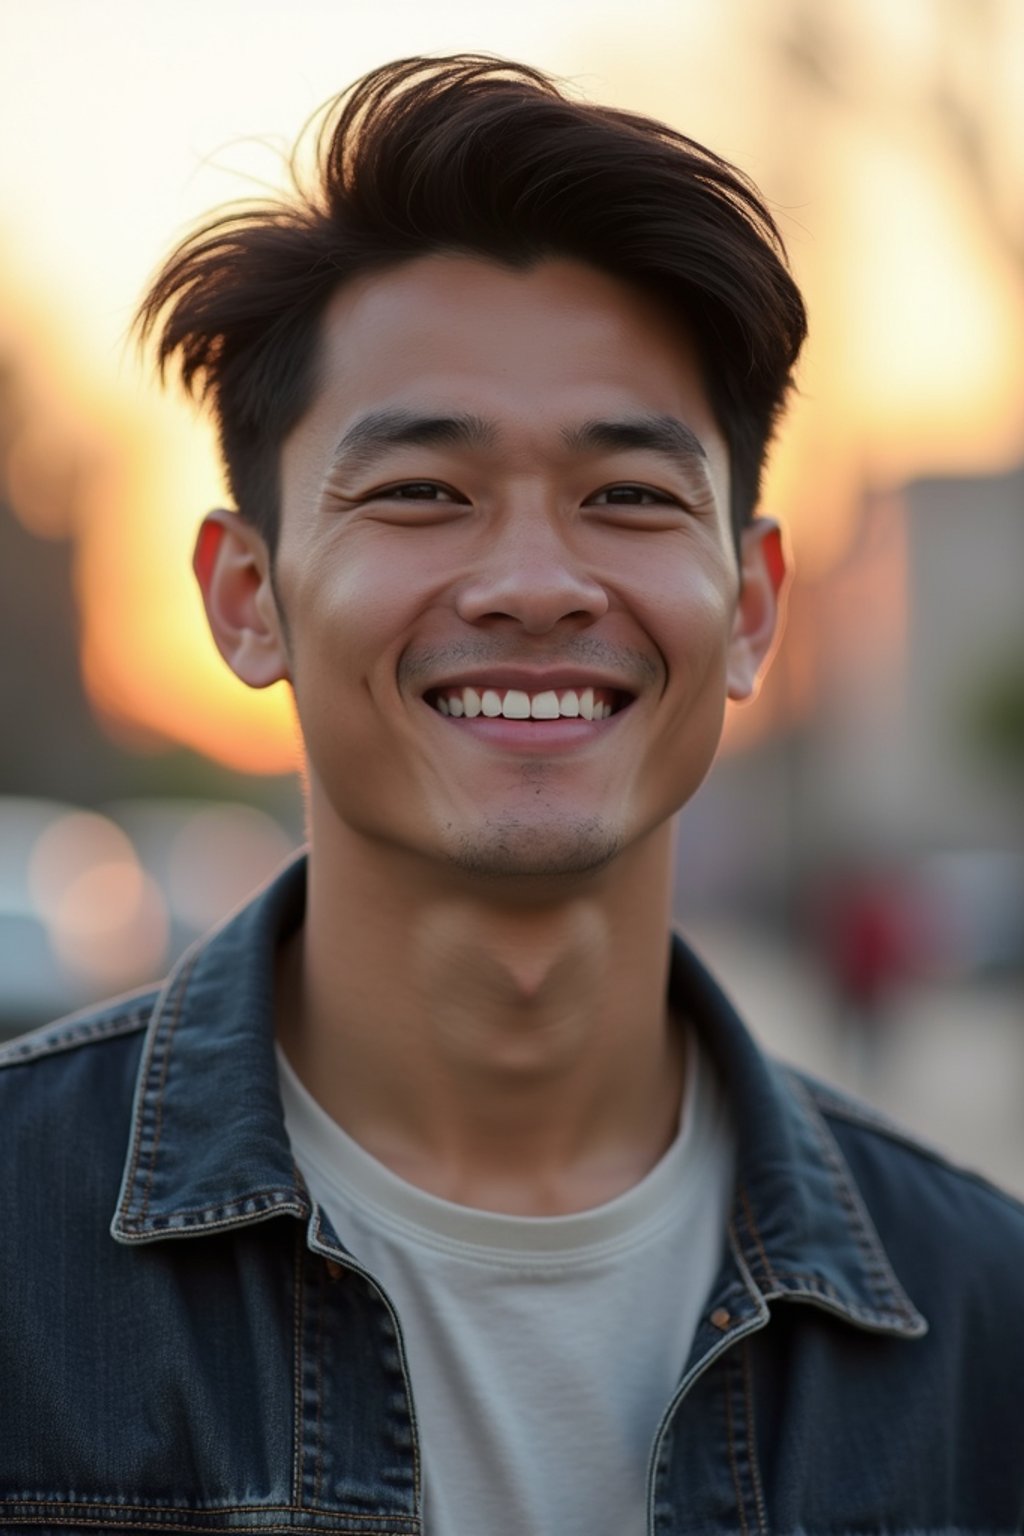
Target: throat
515 1058
521 998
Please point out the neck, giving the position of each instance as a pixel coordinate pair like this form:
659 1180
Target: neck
514 1054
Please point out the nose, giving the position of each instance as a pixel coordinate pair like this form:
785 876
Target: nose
531 576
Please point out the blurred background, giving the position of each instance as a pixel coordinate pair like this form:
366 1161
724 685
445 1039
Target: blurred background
855 866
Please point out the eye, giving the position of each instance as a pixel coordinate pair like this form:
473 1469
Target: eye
632 496
417 490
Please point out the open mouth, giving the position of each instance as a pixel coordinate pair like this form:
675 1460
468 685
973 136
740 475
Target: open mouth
516 704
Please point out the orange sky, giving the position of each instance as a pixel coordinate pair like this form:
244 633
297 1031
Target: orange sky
916 301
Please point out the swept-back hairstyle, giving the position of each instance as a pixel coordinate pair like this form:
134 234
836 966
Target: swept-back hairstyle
475 155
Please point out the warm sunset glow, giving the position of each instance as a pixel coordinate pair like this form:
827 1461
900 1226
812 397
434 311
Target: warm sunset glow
917 305
932 362
170 681
105 917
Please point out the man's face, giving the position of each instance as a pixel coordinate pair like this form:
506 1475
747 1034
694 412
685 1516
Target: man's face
509 497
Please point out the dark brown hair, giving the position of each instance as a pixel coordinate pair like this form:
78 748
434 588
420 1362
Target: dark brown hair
476 155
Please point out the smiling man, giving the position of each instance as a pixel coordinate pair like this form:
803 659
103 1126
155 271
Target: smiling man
441 1190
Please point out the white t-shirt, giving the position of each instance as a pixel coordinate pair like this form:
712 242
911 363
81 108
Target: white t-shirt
542 1351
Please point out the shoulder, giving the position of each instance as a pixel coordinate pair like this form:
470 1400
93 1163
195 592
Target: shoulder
69 1086
954 1238
871 1136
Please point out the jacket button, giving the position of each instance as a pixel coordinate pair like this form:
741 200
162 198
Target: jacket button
721 1318
334 1269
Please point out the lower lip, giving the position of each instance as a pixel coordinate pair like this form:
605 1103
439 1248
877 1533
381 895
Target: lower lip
530 736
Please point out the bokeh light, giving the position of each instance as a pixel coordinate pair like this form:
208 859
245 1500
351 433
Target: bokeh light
104 915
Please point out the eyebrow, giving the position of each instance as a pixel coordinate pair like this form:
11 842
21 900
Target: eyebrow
368 437
374 433
666 435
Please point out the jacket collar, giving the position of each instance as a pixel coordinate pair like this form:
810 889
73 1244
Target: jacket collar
208 1146
209 1149
800 1229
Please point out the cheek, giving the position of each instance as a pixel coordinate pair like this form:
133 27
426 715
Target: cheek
687 609
352 607
348 604
697 686
704 638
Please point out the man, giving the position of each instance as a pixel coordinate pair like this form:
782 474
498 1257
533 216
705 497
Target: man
439 1190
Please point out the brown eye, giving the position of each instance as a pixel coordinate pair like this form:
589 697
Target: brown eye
416 490
632 496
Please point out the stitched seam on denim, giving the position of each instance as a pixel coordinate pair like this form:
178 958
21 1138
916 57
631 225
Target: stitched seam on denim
162 1087
116 1507
321 1292
416 1468
396 1340
137 1232
729 1367
866 1118
222 1530
797 1286
813 1285
13 1055
140 1117
748 1402
830 1100
299 1426
403 1360
872 1317
755 1234
177 1509
209 1530
877 1266
276 1194
737 1290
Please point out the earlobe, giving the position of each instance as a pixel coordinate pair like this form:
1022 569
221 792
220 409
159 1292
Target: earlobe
763 572
232 566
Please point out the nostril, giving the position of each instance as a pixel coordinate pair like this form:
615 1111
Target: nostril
535 601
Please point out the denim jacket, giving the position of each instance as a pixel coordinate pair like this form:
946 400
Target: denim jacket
186 1345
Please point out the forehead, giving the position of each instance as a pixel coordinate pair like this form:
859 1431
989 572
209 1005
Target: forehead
534 349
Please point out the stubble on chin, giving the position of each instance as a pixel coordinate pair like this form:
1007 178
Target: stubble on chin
512 847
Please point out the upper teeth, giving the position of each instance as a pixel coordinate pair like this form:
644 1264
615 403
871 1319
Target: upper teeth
514 704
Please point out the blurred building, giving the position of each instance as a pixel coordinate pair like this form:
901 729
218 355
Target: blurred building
51 743
905 756
913 744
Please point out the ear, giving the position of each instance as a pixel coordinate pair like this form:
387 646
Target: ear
232 566
762 578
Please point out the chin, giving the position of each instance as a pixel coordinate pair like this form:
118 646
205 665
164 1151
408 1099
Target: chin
512 848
